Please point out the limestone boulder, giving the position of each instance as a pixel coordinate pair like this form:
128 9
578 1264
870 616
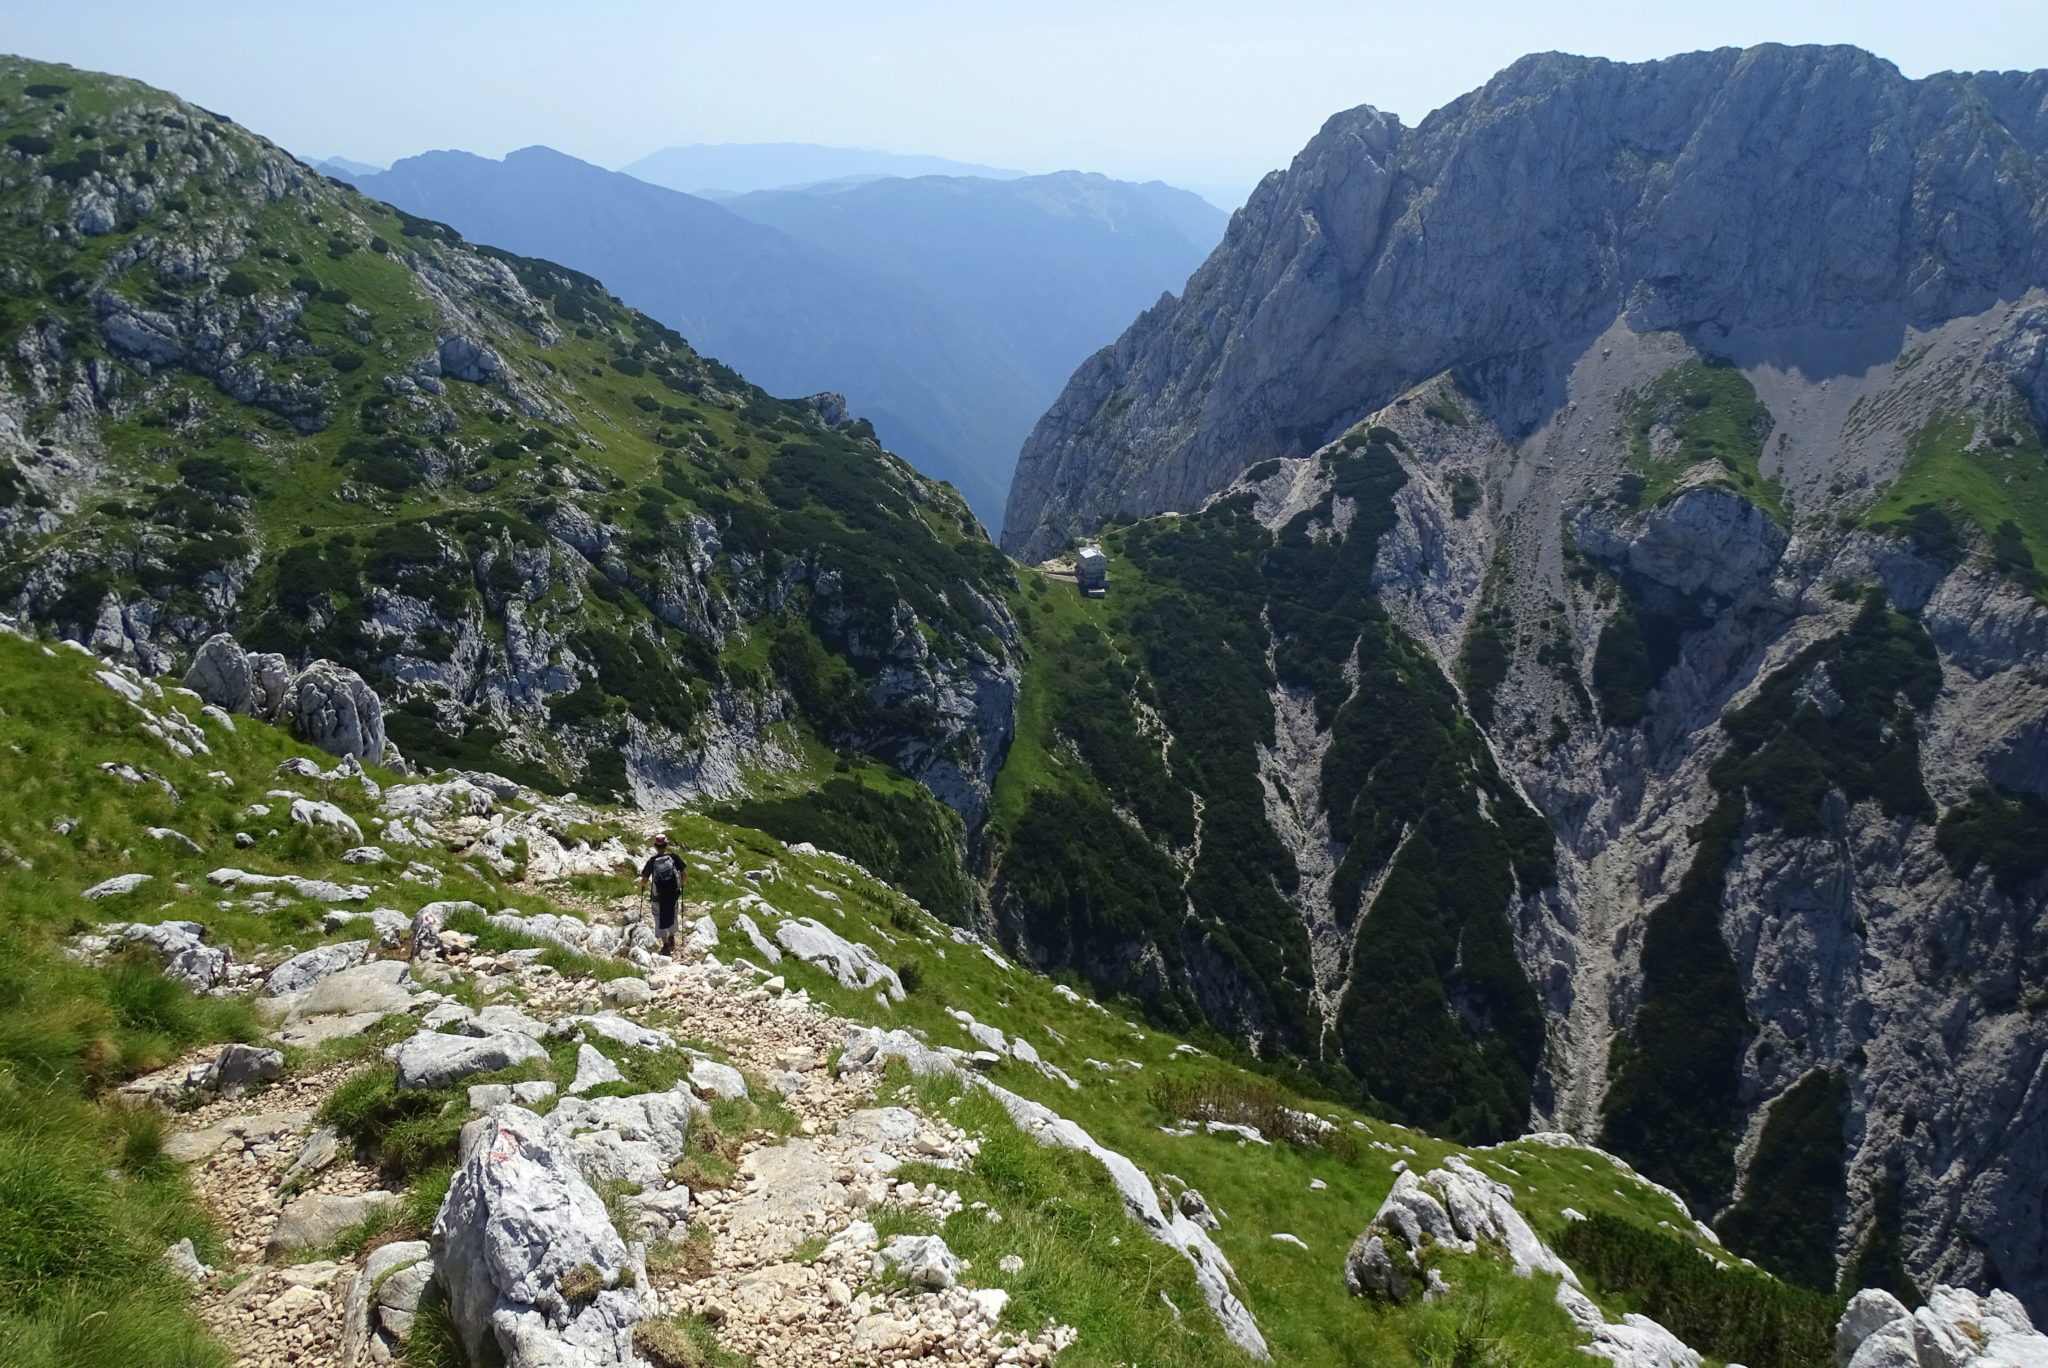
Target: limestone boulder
318 1219
613 1027
1957 1328
712 1079
430 1059
923 1261
237 1069
312 812
593 1070
220 675
519 1218
852 963
626 992
182 947
469 358
393 1275
1632 1342
309 967
270 679
633 1140
331 707
114 887
1369 1270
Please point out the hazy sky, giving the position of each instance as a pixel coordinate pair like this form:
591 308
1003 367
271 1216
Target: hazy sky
1206 94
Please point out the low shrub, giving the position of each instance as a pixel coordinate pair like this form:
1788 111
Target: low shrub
1796 1184
2007 834
906 837
911 972
1728 1313
1466 494
1250 1102
1622 671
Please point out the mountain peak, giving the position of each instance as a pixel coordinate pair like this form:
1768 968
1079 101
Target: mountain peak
1772 190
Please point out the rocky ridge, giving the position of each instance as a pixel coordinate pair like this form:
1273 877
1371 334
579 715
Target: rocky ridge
1385 255
303 1191
1733 571
240 397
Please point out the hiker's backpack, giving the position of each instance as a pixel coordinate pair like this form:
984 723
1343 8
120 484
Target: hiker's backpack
668 872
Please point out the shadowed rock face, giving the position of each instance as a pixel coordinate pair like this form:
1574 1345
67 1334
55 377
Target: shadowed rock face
1678 375
1797 205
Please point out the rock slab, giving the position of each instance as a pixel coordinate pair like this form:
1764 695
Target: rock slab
518 1219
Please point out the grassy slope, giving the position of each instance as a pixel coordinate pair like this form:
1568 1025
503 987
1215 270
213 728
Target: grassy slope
67 1033
1994 475
1048 610
1708 415
1298 1295
91 1201
641 434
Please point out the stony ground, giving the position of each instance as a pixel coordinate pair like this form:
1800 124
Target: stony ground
788 1272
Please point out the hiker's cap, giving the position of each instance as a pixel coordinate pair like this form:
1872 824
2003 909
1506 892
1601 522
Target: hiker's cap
661 840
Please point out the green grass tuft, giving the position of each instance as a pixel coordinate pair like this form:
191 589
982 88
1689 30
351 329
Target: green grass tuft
1701 423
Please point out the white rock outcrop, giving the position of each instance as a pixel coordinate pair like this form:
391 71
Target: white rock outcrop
430 1059
325 704
307 968
1956 1329
114 887
1455 1207
1632 1342
330 706
922 1261
633 1140
1458 1208
613 1027
313 890
235 1070
853 964
382 1301
593 1070
182 947
710 1077
519 1219
315 1220
870 1047
312 812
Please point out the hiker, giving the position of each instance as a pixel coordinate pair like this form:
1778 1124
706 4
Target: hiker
665 872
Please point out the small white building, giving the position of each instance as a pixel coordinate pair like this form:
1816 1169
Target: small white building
1091 571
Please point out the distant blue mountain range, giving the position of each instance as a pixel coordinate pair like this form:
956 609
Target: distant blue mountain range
722 169
948 309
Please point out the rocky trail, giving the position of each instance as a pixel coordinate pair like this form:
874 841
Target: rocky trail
782 1255
656 1156
523 1137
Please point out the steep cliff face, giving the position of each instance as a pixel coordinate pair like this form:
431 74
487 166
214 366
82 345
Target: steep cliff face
1714 389
1773 732
238 396
1801 203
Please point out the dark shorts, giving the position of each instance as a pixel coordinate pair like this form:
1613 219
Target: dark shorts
665 905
